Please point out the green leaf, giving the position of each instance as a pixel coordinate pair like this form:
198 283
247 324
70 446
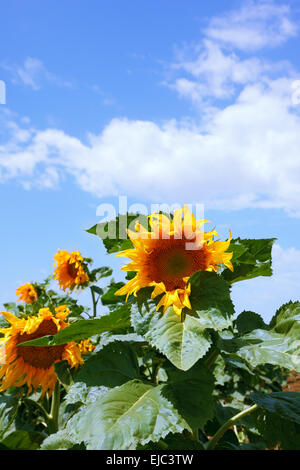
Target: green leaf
114 365
183 343
97 290
251 258
277 432
248 321
58 441
265 347
82 329
173 442
23 440
287 320
192 393
99 273
278 419
63 373
134 413
113 233
109 297
8 411
210 299
79 392
284 404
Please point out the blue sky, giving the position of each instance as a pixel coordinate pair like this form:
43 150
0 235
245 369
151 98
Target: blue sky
162 102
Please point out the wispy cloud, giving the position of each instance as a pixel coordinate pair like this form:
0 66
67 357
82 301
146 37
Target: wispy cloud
223 60
33 73
255 25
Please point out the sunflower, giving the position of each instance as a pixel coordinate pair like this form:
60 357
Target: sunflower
27 293
85 346
169 254
33 365
69 270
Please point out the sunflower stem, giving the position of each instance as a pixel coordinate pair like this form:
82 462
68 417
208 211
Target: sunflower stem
55 403
155 372
212 358
94 303
231 422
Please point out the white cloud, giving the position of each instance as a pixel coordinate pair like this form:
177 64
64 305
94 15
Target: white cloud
254 26
219 65
215 73
265 295
33 73
246 155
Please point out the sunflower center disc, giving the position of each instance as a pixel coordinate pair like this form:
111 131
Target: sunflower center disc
40 356
72 270
173 263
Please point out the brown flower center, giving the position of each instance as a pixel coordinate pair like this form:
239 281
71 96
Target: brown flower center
40 356
72 270
169 262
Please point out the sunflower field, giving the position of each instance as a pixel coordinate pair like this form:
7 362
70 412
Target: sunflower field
161 361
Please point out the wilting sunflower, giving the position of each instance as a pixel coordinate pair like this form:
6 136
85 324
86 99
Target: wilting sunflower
33 365
69 270
27 293
169 254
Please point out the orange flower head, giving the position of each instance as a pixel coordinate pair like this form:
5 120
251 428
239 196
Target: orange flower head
169 254
27 293
69 271
34 365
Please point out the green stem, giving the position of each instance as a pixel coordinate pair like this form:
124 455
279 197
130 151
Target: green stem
94 303
155 372
212 357
53 421
213 442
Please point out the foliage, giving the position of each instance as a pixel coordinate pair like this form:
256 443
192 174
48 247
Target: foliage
210 378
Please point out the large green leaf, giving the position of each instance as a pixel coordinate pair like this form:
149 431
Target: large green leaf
82 329
210 299
174 442
277 432
109 297
278 420
287 320
80 393
134 413
60 441
192 393
251 258
265 347
113 365
284 404
113 233
182 342
22 440
248 321
8 411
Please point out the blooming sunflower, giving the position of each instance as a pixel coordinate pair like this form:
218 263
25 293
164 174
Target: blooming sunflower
33 365
27 293
169 254
69 270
